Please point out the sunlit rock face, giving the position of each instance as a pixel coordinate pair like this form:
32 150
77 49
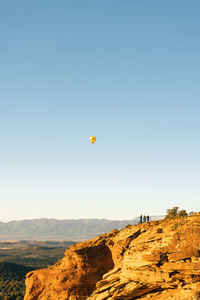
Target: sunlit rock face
157 260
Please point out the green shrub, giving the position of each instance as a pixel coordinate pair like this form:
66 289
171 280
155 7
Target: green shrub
182 213
175 213
172 213
191 213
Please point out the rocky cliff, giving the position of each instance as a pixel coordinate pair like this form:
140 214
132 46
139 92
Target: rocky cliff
157 260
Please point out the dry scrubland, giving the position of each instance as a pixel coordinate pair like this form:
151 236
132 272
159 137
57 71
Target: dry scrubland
17 258
158 260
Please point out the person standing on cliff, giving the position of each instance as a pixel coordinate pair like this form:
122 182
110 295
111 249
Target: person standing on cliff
141 219
144 219
147 218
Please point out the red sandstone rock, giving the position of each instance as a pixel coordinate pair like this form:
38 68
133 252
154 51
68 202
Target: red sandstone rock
138 262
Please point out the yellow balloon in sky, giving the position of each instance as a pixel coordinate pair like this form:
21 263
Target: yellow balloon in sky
93 139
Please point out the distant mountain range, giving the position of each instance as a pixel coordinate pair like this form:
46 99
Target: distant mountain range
52 229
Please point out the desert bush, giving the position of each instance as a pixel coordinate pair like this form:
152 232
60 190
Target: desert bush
191 213
182 213
172 213
175 213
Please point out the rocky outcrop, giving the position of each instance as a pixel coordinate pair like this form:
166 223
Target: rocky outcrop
157 260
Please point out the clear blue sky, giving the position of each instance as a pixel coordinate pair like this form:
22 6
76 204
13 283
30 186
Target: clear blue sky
125 71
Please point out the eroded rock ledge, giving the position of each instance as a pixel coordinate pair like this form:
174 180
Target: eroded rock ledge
157 260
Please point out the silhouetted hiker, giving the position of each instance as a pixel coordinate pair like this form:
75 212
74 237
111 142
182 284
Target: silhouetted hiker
141 219
147 218
144 219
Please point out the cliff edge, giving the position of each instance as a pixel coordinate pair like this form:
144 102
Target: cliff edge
157 260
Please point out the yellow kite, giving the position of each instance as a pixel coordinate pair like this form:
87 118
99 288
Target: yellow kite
93 139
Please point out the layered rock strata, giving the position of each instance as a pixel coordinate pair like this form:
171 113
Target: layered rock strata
157 260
